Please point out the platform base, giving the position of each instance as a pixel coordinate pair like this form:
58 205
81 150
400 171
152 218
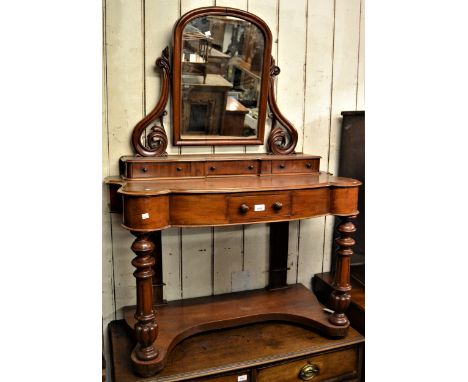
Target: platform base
181 319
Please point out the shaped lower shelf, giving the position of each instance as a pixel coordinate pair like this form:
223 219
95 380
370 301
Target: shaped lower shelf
180 319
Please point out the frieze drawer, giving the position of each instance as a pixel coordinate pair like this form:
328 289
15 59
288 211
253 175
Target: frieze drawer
255 207
240 167
337 366
158 170
295 166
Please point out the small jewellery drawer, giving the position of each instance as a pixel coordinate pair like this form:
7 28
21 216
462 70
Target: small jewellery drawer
340 365
255 207
159 170
294 166
243 167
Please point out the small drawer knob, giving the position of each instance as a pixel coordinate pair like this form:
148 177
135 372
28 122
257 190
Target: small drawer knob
212 168
282 165
308 372
251 167
144 169
244 208
179 168
308 165
277 206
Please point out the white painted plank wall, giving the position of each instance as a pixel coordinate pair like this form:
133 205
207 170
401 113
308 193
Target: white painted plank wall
319 46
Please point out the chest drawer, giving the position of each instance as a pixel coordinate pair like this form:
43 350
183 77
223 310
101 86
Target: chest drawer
231 167
238 377
158 170
268 207
340 365
294 166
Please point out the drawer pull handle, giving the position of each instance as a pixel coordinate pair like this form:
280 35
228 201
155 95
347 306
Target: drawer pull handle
212 168
308 372
179 168
244 208
144 169
277 206
250 167
282 165
308 165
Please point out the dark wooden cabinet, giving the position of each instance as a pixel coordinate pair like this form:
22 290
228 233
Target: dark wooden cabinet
264 352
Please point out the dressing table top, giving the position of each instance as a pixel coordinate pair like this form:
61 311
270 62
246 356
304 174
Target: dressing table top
228 184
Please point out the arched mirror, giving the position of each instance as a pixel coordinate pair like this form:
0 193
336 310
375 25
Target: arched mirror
221 62
222 86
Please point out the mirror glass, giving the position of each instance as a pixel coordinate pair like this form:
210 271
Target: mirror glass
222 60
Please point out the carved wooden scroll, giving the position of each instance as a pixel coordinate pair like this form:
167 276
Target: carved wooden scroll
283 136
155 142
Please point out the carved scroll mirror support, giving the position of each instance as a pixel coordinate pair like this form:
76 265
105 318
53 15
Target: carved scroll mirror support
154 142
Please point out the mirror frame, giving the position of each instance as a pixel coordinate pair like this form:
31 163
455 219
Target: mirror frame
177 76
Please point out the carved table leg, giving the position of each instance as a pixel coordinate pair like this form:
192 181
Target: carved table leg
146 329
340 298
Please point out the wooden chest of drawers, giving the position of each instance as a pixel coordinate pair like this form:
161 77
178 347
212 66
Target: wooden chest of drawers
266 352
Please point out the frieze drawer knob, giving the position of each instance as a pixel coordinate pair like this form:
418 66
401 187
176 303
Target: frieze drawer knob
282 165
308 165
244 208
250 167
212 168
308 372
179 168
277 206
144 169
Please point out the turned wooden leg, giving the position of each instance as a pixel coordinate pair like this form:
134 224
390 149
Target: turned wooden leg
146 329
340 298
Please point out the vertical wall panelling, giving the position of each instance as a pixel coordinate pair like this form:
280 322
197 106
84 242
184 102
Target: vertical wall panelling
227 258
123 270
124 75
319 61
291 60
108 306
345 69
159 18
293 251
256 254
124 46
268 11
197 262
172 258
290 85
360 103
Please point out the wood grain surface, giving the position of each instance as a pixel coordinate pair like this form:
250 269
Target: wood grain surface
231 351
181 319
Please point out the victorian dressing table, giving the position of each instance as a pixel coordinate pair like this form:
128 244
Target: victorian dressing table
156 191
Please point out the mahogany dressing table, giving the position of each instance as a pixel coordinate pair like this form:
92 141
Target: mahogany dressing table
156 191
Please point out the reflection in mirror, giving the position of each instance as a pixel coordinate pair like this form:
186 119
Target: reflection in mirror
222 58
